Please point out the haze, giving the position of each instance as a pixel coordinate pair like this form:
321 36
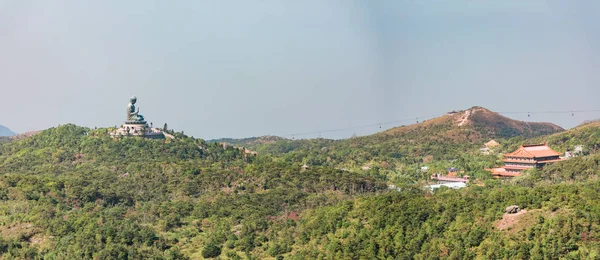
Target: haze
250 68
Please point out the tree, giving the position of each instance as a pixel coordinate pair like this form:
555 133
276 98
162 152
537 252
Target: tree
211 251
165 128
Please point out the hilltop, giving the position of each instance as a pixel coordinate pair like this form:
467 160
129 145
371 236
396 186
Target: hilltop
473 125
4 131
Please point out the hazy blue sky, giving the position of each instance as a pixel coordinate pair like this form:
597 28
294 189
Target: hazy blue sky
250 68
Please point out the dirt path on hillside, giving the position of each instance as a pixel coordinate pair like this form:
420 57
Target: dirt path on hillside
465 118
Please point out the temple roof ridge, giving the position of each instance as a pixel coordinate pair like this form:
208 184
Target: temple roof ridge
534 145
521 152
533 151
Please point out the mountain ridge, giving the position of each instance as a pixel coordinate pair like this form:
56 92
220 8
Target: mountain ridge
482 122
485 123
5 131
472 127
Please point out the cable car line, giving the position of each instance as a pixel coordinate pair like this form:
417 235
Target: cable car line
379 125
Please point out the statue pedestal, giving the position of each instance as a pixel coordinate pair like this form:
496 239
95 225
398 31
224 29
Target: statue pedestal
136 123
138 128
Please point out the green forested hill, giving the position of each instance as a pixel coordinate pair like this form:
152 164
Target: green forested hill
560 221
74 193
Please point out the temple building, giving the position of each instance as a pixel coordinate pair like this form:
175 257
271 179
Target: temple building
525 158
492 144
136 125
451 177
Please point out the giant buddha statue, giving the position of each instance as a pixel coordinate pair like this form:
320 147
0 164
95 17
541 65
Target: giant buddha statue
135 124
133 115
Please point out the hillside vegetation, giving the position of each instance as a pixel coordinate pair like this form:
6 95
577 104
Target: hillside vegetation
587 135
251 142
74 193
84 195
451 140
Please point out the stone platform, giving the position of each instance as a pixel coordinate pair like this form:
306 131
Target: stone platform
138 128
136 123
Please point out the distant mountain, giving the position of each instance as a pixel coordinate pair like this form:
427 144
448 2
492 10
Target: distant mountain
4 131
472 125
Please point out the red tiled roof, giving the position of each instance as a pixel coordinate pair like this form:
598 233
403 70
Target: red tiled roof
555 160
533 151
518 161
501 172
517 167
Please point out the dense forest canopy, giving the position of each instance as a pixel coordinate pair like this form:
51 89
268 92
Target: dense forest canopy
75 193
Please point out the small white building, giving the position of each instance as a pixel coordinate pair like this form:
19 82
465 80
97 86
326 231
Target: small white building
393 187
576 152
453 185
